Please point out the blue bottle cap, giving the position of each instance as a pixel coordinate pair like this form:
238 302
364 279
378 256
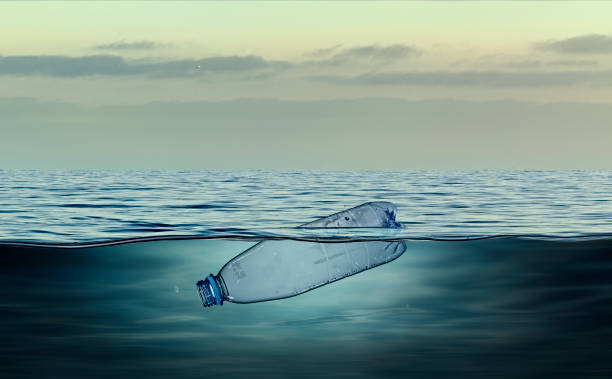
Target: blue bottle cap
209 292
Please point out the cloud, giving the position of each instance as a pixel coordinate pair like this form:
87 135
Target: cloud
112 65
334 55
371 133
135 45
524 64
324 52
495 79
586 44
390 52
574 62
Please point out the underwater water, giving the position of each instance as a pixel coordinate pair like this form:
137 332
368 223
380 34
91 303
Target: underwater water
76 301
507 307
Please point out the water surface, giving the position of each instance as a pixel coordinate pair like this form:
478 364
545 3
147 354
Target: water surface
86 206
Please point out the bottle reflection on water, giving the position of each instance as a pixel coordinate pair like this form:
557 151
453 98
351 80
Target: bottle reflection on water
277 269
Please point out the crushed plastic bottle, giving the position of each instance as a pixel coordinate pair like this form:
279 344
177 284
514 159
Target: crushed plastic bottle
277 269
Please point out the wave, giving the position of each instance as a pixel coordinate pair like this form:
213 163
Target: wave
324 239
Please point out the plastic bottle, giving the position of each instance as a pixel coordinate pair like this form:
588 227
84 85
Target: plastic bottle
277 269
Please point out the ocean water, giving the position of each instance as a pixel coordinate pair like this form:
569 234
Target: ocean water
506 274
89 206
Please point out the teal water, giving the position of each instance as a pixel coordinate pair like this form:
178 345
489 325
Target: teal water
77 300
502 307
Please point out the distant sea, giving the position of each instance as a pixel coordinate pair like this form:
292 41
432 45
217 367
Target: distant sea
506 274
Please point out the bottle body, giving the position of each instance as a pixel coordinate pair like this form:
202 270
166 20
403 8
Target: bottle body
278 269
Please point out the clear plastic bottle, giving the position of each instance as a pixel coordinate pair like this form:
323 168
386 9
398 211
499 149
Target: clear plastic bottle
276 269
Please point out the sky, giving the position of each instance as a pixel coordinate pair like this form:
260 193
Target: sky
306 85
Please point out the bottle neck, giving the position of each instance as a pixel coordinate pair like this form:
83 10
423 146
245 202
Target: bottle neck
221 286
211 291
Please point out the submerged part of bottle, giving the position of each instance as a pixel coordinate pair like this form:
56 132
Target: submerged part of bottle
278 269
376 214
